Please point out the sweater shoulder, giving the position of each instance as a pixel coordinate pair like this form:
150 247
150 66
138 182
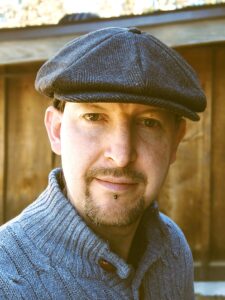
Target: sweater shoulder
9 271
173 229
18 254
178 241
8 247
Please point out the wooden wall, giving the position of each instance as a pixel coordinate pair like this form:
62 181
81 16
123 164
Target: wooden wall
194 192
25 154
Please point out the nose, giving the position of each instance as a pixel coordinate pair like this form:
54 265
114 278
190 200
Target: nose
120 148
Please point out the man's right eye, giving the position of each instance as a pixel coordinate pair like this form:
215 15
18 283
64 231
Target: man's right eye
93 117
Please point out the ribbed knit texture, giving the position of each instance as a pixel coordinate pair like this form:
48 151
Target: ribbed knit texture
48 252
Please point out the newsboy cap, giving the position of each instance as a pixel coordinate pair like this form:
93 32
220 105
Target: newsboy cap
122 65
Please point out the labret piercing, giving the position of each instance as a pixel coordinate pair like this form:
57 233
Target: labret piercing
115 196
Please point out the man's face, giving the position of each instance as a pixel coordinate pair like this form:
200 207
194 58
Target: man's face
115 157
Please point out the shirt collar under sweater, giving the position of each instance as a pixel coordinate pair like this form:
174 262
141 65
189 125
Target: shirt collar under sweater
53 224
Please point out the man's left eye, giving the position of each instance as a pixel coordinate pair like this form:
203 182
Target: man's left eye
151 123
93 117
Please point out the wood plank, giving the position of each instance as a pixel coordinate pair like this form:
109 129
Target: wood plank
173 34
218 156
190 33
2 144
186 197
26 51
29 155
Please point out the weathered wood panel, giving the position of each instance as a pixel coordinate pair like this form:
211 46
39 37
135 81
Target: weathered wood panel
218 157
186 197
2 144
175 28
28 152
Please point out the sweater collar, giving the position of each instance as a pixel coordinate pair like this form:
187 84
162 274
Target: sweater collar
53 224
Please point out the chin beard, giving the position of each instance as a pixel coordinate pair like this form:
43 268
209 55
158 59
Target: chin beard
120 218
115 217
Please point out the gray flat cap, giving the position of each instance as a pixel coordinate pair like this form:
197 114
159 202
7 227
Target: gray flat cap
122 65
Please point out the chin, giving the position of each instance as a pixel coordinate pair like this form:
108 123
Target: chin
118 217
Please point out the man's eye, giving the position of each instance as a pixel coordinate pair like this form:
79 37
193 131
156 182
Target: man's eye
93 117
151 123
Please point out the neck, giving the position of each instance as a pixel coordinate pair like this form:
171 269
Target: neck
119 238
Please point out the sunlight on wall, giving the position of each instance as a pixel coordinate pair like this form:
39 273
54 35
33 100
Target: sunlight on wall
19 13
105 8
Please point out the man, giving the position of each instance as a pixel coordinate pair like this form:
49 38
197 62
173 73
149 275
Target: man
120 98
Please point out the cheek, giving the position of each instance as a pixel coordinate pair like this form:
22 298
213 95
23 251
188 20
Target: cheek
163 143
155 163
79 148
158 157
156 148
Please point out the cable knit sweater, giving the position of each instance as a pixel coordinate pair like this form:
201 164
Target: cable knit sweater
48 252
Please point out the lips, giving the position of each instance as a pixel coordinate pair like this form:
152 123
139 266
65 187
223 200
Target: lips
116 184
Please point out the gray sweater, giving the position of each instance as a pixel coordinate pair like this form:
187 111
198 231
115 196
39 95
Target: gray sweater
48 252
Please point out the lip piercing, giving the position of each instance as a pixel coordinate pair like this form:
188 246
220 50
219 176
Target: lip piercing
115 196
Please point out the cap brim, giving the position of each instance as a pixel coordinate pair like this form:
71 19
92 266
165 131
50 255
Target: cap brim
90 97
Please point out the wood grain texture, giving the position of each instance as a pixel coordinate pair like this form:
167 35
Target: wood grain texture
28 151
218 156
2 145
24 51
193 33
186 196
173 34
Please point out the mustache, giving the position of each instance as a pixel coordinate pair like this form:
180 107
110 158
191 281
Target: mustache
116 172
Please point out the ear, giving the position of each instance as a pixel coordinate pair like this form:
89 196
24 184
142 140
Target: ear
179 134
53 119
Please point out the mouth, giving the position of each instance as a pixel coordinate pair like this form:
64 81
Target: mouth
116 184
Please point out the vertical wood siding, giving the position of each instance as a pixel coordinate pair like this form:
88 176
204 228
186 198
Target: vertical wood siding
2 143
27 156
218 157
187 193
